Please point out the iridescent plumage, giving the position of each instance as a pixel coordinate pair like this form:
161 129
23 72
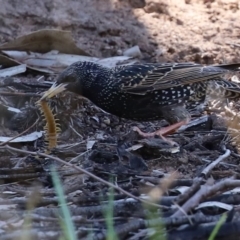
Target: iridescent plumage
145 92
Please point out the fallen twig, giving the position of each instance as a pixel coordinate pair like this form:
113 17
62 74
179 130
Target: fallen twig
205 192
209 168
85 172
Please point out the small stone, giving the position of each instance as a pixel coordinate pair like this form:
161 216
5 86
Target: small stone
156 6
107 121
137 3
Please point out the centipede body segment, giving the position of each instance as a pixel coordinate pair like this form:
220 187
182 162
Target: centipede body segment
51 128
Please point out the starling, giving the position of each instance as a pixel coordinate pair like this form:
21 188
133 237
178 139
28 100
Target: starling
145 92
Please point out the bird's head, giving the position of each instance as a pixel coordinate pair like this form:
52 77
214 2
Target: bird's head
70 79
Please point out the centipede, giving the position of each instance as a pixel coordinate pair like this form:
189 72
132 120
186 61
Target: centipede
51 128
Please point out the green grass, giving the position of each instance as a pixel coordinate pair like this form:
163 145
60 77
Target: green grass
108 214
65 222
158 230
218 226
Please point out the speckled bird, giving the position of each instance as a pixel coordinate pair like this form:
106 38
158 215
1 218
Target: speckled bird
148 91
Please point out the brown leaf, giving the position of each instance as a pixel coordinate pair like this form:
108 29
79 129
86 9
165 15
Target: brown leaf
43 41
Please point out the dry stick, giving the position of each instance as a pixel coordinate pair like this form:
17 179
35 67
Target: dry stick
194 189
189 192
234 44
20 134
197 197
85 172
207 170
205 192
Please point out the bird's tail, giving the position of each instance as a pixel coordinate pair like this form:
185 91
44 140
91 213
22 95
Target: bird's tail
224 89
230 67
232 93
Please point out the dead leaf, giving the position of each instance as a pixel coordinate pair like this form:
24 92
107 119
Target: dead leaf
51 51
25 138
90 144
113 61
215 204
51 62
8 62
43 41
11 71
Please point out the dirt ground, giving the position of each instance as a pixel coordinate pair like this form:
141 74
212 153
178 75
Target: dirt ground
202 31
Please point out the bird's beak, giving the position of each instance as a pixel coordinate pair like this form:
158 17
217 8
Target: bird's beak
54 90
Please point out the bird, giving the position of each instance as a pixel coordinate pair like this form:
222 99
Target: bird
147 91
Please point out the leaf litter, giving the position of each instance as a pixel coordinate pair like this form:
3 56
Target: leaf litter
108 148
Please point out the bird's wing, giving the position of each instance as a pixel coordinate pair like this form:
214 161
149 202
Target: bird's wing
143 78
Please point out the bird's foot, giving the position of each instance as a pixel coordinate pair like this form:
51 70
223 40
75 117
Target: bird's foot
162 132
152 134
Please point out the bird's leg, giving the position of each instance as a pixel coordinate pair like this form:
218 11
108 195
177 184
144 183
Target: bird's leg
171 128
163 131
